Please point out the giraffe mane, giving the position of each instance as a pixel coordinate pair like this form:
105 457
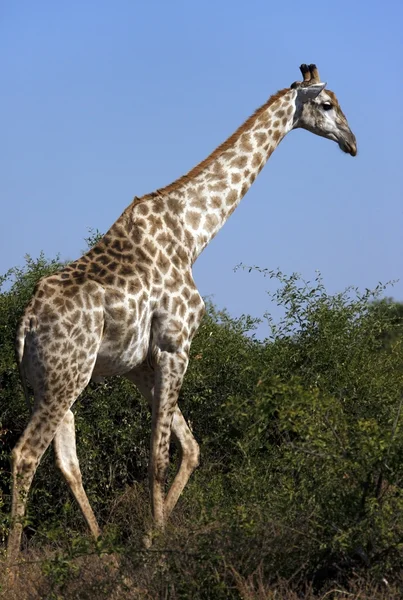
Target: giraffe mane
199 168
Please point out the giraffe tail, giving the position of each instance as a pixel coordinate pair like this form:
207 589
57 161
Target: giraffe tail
26 325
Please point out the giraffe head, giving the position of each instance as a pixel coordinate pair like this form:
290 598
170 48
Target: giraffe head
318 111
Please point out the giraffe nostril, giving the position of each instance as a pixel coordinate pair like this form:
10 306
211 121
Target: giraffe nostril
352 146
348 144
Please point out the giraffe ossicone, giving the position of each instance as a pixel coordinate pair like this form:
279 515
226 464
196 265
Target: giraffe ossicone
130 307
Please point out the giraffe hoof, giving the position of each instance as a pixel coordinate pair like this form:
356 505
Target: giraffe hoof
148 540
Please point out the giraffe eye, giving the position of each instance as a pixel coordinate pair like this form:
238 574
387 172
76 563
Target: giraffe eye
327 105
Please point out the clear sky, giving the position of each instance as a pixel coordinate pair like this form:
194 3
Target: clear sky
102 101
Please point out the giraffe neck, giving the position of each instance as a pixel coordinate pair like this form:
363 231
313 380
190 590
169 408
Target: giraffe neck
209 193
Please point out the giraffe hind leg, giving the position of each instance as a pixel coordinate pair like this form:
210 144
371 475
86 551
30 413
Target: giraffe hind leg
44 422
66 459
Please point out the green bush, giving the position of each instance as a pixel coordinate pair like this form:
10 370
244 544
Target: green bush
301 444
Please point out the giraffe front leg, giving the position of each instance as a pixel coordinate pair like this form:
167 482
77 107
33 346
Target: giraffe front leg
169 375
143 377
189 460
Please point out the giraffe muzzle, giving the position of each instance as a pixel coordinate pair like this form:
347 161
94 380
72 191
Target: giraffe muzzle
348 143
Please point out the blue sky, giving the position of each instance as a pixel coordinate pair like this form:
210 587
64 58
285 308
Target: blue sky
102 101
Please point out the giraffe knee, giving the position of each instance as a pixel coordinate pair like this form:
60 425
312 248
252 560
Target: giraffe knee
192 454
22 463
15 456
70 470
159 469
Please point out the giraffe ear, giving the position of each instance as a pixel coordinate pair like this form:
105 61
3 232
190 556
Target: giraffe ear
310 92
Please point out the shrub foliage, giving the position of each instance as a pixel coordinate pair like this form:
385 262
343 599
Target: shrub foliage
302 455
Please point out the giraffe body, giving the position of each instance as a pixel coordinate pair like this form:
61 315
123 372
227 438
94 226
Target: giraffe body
130 307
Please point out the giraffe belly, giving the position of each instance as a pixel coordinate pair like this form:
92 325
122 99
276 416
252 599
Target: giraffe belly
118 356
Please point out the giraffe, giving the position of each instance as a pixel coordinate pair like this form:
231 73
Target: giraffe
130 307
